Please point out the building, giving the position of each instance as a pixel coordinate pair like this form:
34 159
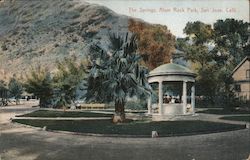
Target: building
241 77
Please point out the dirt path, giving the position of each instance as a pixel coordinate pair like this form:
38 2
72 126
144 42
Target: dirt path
8 112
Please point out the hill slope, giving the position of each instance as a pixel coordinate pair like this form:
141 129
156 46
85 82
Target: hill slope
46 31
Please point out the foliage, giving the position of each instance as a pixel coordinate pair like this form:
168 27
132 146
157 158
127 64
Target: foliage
116 74
3 93
232 36
136 105
199 32
67 80
215 51
40 83
196 47
59 90
226 42
15 89
155 43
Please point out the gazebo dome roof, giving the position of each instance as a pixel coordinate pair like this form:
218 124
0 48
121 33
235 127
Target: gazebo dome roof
171 69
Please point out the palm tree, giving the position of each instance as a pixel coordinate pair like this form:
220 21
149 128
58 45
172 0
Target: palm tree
115 74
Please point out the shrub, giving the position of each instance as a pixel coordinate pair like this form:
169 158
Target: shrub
136 105
74 23
91 32
4 47
39 83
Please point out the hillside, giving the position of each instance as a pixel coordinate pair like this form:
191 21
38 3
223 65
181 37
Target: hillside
41 32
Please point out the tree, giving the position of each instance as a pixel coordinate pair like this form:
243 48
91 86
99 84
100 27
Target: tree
232 36
196 48
155 43
199 32
15 89
40 83
215 51
67 80
116 74
3 93
196 45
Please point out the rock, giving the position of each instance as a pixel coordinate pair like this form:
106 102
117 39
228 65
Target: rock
118 118
247 125
155 134
73 107
44 128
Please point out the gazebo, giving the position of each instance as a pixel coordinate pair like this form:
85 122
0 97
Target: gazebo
173 91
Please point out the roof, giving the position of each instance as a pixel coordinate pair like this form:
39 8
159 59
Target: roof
240 64
171 69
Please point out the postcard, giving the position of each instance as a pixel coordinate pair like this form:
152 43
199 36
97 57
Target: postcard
124 79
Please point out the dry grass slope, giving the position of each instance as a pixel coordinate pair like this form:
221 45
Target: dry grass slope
41 32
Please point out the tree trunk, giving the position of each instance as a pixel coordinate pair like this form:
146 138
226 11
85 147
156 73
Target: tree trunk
17 101
42 102
119 115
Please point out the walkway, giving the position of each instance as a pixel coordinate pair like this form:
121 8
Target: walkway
23 143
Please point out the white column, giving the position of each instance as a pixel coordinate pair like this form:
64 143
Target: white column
184 97
193 98
149 104
160 98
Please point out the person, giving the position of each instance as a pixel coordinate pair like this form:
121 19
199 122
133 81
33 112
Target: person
169 99
165 99
178 100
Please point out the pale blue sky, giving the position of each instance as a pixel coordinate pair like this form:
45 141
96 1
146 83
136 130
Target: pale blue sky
176 13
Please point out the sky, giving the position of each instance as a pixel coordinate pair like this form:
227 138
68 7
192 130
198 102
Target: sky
176 13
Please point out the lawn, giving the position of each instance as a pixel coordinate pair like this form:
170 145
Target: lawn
223 111
134 128
237 118
48 113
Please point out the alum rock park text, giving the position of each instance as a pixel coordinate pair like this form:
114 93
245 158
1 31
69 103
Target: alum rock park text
181 10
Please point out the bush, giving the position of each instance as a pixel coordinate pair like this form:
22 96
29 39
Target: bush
74 23
91 32
70 30
136 105
4 47
242 105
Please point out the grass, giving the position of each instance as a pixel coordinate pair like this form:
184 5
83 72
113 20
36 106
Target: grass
223 111
134 128
237 118
47 113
